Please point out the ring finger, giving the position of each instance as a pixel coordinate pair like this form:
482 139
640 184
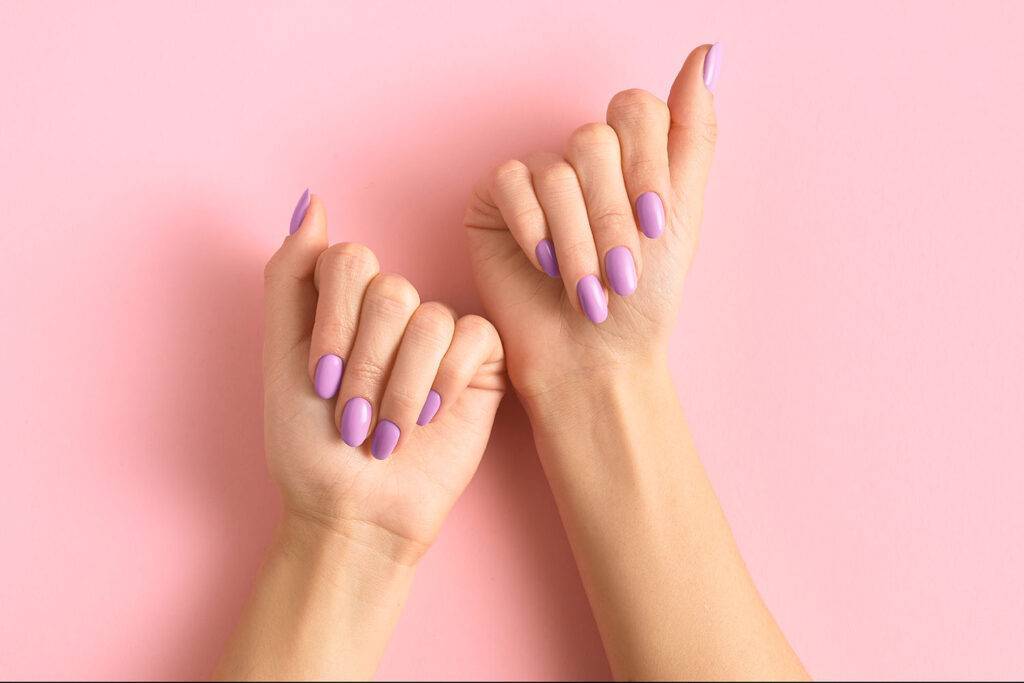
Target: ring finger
561 198
427 337
387 306
593 150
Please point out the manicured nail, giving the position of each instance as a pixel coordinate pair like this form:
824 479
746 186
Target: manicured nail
546 256
651 213
430 408
592 298
712 63
327 377
618 263
300 212
385 438
355 421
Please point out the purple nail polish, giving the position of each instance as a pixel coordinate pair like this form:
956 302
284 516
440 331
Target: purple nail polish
430 408
385 438
592 298
327 377
300 212
618 263
712 63
355 421
546 256
651 212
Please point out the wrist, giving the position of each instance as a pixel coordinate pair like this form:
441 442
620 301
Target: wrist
614 393
359 559
323 607
617 434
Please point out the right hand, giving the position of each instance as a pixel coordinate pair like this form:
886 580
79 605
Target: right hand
650 156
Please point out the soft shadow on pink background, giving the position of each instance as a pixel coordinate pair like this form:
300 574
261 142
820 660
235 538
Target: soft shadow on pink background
849 351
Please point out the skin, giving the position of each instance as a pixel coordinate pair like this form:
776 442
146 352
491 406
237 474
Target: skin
668 588
354 528
667 585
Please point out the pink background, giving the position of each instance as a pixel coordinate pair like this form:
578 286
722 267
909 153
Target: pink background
849 351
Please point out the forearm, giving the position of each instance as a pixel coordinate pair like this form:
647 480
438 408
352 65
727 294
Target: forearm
323 607
669 590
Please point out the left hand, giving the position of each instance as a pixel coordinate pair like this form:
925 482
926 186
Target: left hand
350 356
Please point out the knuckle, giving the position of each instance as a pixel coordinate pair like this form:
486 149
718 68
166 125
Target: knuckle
635 106
603 217
527 216
399 401
393 293
510 172
709 131
346 258
701 132
557 174
476 329
366 373
334 328
404 399
642 169
592 138
579 251
432 324
455 371
271 268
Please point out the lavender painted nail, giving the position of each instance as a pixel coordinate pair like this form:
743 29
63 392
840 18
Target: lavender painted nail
651 212
355 421
327 377
546 256
712 63
385 438
430 408
592 298
618 263
300 212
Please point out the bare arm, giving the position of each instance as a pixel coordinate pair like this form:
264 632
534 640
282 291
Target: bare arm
377 409
669 590
323 607
580 259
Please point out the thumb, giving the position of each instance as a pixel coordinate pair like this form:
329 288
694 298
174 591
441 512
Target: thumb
288 292
693 130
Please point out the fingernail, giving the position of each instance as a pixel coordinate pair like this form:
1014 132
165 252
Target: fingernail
385 438
300 212
651 213
592 298
546 256
327 377
618 263
430 408
355 421
712 63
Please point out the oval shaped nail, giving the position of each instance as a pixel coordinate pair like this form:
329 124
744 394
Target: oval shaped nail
327 377
592 298
545 252
650 211
300 212
385 438
355 421
430 408
712 64
618 263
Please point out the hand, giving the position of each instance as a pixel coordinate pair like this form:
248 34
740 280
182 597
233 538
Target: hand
646 168
354 444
